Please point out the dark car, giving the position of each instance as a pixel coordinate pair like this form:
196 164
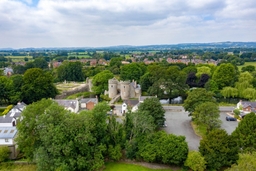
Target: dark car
229 118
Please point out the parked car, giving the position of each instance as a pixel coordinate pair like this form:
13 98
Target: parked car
230 118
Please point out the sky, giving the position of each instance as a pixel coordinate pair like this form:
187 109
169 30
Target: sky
100 23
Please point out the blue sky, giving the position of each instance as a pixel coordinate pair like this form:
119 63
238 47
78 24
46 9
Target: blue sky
97 23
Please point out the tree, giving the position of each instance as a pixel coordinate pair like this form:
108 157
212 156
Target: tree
37 85
145 81
245 133
70 71
191 80
225 75
131 71
207 113
5 88
196 97
100 81
218 149
203 70
4 153
164 148
228 92
40 63
244 82
245 162
195 161
203 80
249 68
152 107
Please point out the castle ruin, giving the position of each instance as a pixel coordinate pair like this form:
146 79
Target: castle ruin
126 89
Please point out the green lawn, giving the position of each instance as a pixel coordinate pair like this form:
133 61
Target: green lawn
246 64
129 167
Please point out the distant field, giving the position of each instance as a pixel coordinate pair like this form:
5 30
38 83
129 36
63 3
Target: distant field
246 64
18 57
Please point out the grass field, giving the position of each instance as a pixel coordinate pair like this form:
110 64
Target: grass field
129 167
246 64
109 167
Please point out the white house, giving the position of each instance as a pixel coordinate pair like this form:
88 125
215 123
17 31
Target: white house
10 119
7 136
71 105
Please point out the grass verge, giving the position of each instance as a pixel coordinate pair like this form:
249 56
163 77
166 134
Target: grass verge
110 166
199 130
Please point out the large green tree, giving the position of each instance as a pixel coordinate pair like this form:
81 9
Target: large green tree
245 133
245 162
218 149
70 71
131 72
196 97
152 107
225 75
208 114
37 84
100 81
164 148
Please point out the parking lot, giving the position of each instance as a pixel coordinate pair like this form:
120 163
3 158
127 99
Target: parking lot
178 123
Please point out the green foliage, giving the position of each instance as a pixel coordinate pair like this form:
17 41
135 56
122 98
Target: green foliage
100 81
7 109
195 161
228 92
45 135
236 112
152 107
218 149
4 153
203 70
115 152
131 72
207 113
245 162
70 71
196 97
225 75
249 68
245 133
163 148
37 85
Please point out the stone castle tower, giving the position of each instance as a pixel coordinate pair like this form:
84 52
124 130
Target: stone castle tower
126 89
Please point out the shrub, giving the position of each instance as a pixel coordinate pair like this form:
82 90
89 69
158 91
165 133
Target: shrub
4 153
8 108
115 152
195 161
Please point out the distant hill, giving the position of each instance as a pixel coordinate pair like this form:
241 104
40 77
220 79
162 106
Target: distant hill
214 45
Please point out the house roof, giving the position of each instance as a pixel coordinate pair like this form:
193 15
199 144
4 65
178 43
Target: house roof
246 104
7 132
131 102
67 103
15 112
87 100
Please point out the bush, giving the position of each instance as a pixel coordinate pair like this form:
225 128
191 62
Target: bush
236 112
115 152
8 108
4 153
195 161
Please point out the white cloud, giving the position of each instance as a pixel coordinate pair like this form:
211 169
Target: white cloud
135 22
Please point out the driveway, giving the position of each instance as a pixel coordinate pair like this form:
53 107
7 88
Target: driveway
178 123
229 126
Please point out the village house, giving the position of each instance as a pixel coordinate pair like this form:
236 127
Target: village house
88 103
246 106
11 118
71 105
7 136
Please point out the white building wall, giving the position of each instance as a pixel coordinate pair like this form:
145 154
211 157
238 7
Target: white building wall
4 142
6 125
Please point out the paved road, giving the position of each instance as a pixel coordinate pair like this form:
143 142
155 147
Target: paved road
178 123
229 126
